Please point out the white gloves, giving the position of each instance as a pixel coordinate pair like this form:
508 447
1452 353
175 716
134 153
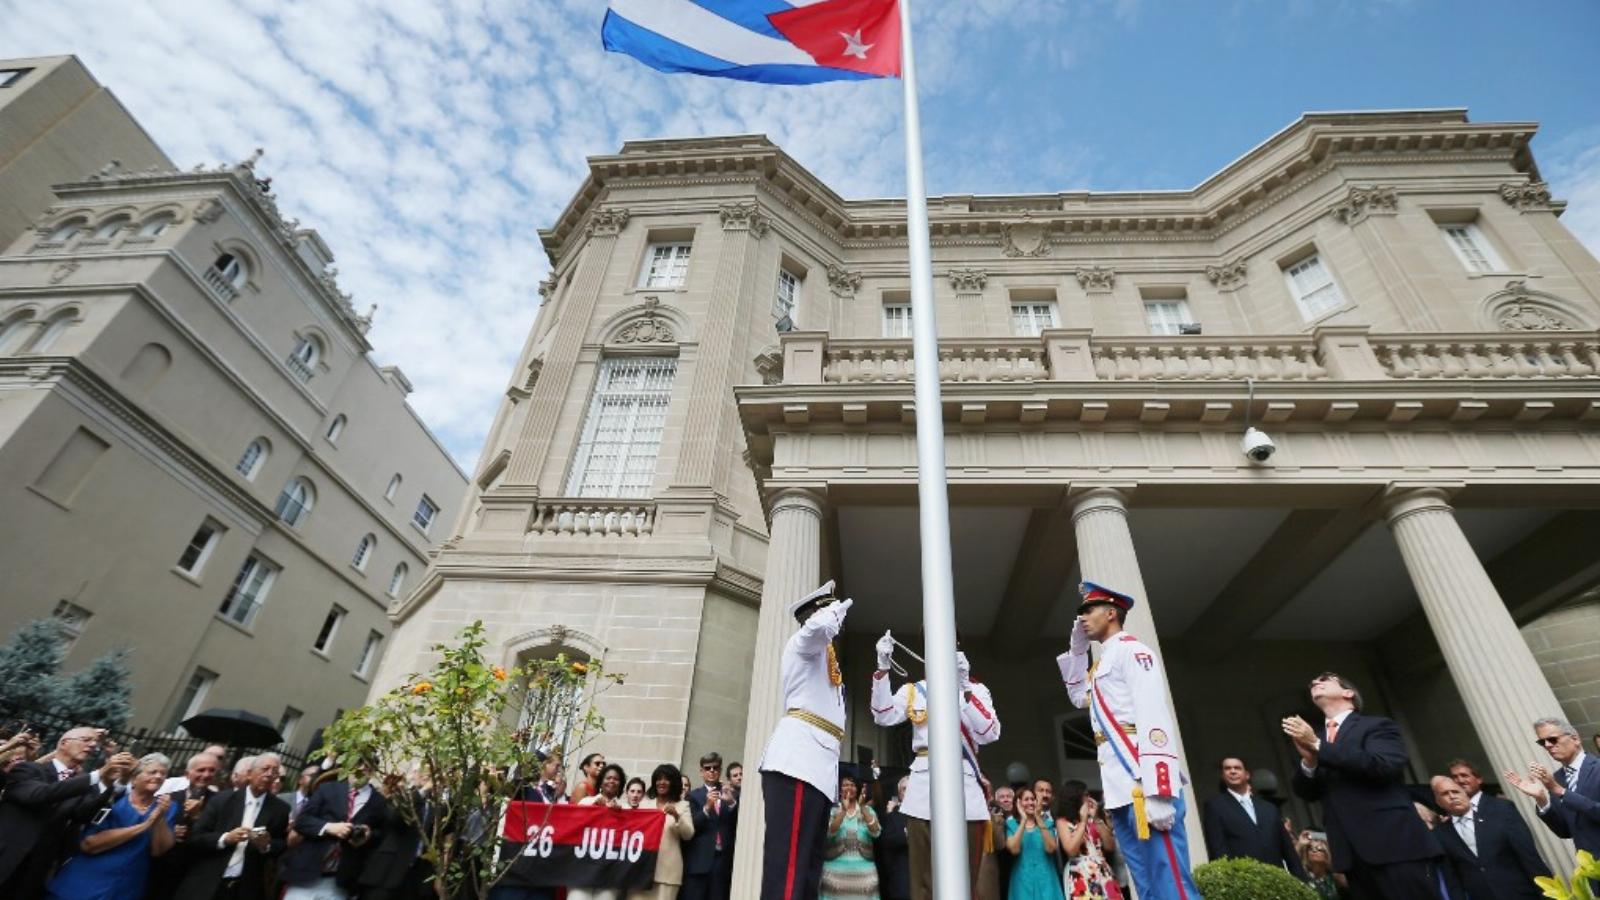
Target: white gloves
963 672
1080 639
885 648
1161 813
839 609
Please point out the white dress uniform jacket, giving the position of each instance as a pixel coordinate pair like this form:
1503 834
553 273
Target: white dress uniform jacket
979 726
797 749
1127 700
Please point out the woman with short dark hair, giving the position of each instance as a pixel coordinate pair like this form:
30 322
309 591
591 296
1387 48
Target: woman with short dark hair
609 793
666 791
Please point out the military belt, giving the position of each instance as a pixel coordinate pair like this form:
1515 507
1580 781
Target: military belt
1130 730
817 722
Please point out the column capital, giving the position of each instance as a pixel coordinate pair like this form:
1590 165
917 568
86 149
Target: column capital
1402 498
798 499
1090 498
745 216
607 222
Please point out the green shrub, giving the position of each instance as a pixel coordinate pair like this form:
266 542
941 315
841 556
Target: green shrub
1247 879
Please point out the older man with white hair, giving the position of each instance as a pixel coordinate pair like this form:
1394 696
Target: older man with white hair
241 771
46 799
237 833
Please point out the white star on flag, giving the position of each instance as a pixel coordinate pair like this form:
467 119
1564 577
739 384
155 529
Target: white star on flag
853 45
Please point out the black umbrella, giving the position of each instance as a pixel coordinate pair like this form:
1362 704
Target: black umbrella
234 727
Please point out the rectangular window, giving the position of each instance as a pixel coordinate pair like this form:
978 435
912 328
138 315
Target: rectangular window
665 266
1471 247
65 475
621 438
249 590
1029 319
788 296
1167 316
330 627
193 558
73 619
192 700
423 517
288 723
9 77
897 320
369 653
1313 288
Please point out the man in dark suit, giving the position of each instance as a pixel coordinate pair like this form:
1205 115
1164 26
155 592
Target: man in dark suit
395 869
1354 765
344 819
46 801
238 832
706 855
1488 844
892 849
168 869
1568 798
1240 824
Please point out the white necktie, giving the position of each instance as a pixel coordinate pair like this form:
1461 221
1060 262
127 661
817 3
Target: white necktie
252 806
1468 831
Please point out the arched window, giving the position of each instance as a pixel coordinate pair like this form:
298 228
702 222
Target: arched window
295 503
393 488
147 366
53 328
13 329
336 428
364 552
66 231
254 456
303 358
397 580
155 225
232 269
110 228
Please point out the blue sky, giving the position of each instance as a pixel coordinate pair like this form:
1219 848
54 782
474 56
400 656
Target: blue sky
428 141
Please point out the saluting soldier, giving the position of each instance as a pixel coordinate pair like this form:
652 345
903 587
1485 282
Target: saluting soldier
979 726
800 768
1126 694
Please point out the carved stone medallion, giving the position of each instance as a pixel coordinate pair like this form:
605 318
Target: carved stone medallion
1025 238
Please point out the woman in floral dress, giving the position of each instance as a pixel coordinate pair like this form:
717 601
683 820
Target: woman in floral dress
1085 839
848 872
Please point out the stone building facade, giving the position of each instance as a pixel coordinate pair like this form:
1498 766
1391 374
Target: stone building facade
714 412
199 458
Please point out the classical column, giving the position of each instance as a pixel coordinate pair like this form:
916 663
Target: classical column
1107 557
1490 663
794 566
711 415
550 393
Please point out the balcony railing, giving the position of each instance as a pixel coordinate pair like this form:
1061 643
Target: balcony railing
298 367
1334 353
594 517
220 284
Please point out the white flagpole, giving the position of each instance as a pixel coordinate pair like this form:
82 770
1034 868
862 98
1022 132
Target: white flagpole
938 590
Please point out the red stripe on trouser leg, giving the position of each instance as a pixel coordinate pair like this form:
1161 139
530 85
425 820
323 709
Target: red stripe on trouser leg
1172 864
794 839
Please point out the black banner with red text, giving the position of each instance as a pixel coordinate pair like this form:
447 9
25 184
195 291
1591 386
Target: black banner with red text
582 846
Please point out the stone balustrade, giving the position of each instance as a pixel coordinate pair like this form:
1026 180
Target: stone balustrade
593 517
1518 355
1330 353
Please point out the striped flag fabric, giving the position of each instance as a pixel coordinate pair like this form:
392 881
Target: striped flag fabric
768 41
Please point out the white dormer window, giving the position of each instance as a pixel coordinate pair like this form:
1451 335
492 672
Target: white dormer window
1167 316
1313 288
1472 247
1029 319
897 320
665 266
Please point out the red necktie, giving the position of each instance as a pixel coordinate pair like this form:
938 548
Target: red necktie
1333 730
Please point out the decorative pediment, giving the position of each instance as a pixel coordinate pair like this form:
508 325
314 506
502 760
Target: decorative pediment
843 282
1025 237
1361 202
1518 308
651 323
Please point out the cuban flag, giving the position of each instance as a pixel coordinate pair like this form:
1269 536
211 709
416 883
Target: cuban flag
770 41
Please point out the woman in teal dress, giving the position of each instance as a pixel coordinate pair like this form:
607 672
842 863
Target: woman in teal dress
848 872
113 858
1031 838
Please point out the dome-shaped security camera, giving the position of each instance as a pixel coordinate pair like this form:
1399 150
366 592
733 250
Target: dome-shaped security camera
1257 446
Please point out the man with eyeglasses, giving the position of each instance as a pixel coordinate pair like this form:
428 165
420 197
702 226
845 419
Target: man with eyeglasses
708 857
1568 797
45 800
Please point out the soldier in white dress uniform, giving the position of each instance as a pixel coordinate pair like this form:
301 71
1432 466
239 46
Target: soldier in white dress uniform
979 725
800 768
1126 694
